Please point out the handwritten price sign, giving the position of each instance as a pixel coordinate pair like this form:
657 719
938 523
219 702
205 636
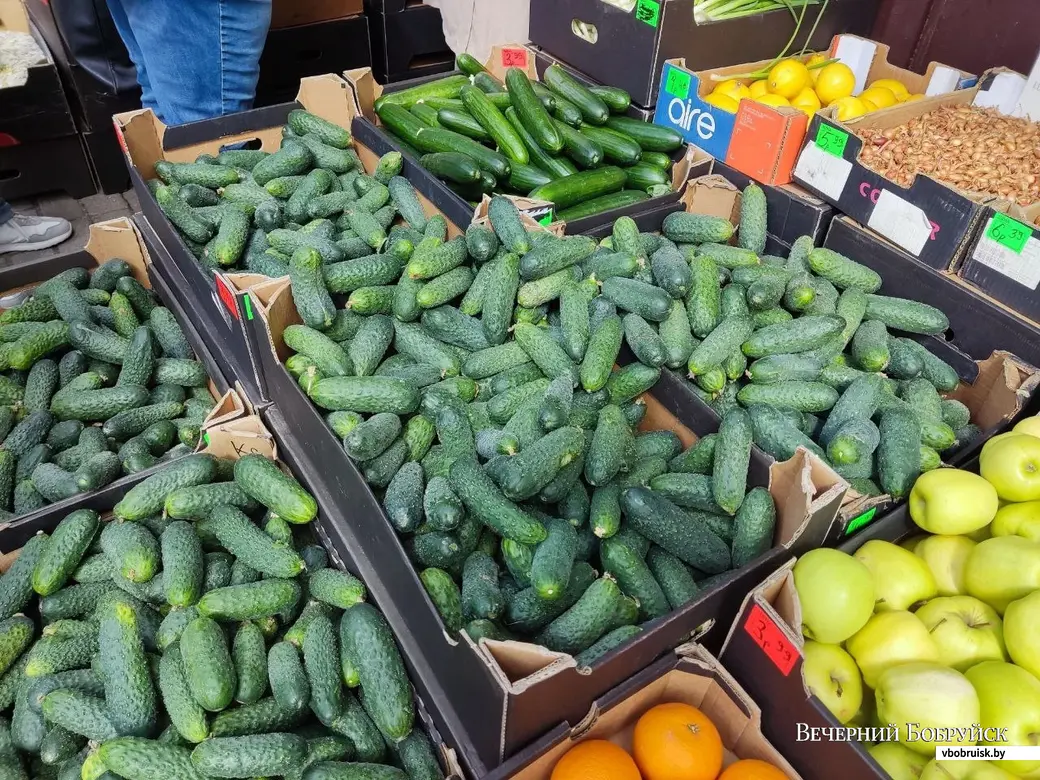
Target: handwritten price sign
678 83
831 139
514 58
649 12
1008 232
765 633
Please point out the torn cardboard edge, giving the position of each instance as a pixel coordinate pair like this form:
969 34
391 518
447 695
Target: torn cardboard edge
692 676
532 214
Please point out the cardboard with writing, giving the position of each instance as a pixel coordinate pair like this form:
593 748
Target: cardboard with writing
1004 259
931 220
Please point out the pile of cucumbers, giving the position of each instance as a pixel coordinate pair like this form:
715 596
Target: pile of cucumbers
98 381
555 140
805 352
475 384
249 210
200 634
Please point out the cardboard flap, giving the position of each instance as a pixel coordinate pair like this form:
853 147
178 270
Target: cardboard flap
517 666
13 17
511 55
118 239
777 597
329 97
1001 390
275 306
364 90
801 487
712 195
228 407
526 207
244 436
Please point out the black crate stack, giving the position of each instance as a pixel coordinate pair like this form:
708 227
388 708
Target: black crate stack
407 40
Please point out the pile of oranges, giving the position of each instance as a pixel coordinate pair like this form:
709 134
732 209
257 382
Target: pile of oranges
671 742
800 85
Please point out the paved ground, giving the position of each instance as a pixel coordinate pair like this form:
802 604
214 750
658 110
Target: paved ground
81 213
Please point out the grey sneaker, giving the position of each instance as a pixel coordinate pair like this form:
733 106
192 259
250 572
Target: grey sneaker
23 233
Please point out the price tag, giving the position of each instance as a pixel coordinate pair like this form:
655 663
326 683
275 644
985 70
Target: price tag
1008 232
248 300
859 521
774 644
649 11
121 139
226 296
514 58
546 219
831 139
677 82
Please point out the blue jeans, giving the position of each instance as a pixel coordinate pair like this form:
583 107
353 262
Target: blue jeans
6 212
196 59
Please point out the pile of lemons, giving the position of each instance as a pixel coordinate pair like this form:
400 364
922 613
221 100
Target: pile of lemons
798 84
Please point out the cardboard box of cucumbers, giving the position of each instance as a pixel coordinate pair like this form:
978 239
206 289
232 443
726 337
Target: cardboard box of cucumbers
200 630
101 380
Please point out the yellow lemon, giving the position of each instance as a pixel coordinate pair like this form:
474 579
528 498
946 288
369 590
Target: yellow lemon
788 78
816 59
759 88
806 101
915 96
725 102
879 96
776 101
897 88
835 81
869 104
849 108
734 89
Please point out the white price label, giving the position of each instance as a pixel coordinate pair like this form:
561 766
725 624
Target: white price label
1023 267
823 171
900 222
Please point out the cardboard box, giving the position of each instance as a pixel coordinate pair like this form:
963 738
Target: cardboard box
59 164
929 219
146 140
36 110
763 652
408 42
294 53
625 43
491 697
761 141
368 131
690 675
231 439
292 13
1004 259
116 239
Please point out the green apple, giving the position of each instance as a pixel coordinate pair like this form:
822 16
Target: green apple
1018 520
910 543
952 501
1003 569
901 579
926 696
1009 698
1011 463
833 677
964 770
1030 425
890 639
1022 632
966 631
836 593
899 761
945 557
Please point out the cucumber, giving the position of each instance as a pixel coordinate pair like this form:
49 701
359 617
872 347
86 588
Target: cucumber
646 300
906 315
753 526
781 368
148 497
859 401
899 451
552 256
634 577
132 549
484 500
852 442
540 158
933 368
651 137
870 346
249 756
592 108
251 601
732 456
793 336
685 228
598 205
581 187
544 351
904 361
129 691
842 272
261 479
801 396
602 608
618 148
728 336
675 577
63 551
687 535
405 198
243 539
437 139
289 684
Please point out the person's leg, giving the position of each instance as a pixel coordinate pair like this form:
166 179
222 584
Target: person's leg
210 70
126 32
20 233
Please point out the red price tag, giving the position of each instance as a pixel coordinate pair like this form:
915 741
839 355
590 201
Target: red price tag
514 58
120 138
226 296
767 635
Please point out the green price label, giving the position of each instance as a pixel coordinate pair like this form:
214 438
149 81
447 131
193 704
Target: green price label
860 521
546 219
1008 232
677 82
649 11
831 139
249 306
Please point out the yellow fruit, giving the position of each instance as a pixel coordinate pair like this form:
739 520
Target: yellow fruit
788 78
776 101
675 741
806 101
595 759
835 81
870 105
849 108
734 89
759 88
725 102
879 96
816 59
1030 425
897 88
915 96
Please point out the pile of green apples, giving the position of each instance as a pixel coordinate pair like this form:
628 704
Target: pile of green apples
943 629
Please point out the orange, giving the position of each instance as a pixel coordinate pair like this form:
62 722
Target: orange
677 742
752 769
595 759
